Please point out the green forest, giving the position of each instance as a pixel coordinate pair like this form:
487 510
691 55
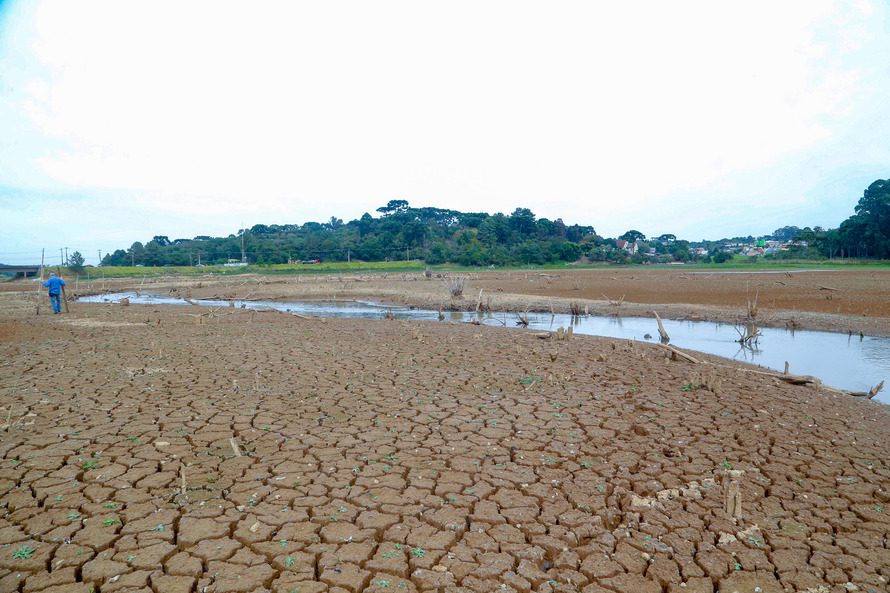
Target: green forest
437 235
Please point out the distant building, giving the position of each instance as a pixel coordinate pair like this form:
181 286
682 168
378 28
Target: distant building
629 246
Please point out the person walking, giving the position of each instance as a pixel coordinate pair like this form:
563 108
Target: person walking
55 285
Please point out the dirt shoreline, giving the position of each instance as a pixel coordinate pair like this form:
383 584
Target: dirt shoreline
158 449
844 301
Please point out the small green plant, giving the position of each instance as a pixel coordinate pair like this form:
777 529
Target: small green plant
130 559
88 465
134 439
110 505
418 552
282 543
688 387
391 457
110 522
159 528
530 380
73 516
585 464
23 553
879 508
726 464
288 562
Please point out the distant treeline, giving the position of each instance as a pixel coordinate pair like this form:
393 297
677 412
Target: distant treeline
400 232
437 235
866 234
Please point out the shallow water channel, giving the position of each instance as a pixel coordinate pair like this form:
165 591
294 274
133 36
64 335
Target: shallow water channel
840 360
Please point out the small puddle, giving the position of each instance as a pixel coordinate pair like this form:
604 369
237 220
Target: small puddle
840 360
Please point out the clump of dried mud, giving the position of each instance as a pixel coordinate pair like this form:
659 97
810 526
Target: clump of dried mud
171 450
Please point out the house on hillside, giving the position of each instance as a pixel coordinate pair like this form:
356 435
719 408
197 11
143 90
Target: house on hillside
629 246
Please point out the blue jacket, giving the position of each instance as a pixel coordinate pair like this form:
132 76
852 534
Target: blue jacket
55 285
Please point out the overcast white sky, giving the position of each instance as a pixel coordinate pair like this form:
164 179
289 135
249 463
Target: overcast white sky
124 120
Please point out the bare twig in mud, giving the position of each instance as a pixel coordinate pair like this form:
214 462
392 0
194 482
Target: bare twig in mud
752 306
456 286
709 381
479 306
183 485
389 315
575 309
870 393
235 448
733 503
665 338
522 318
614 303
796 379
676 353
748 338
827 288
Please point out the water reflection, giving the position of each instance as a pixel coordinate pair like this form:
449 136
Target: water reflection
840 360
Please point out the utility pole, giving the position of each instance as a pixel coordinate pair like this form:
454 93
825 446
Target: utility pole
61 257
100 257
132 259
348 255
243 256
66 257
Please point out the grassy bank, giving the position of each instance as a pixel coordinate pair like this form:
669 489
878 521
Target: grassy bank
736 264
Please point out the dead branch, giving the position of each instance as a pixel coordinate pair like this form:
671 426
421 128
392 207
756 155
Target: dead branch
614 303
870 393
676 353
235 448
665 338
522 318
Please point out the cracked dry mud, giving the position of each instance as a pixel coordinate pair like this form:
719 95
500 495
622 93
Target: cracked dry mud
254 452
